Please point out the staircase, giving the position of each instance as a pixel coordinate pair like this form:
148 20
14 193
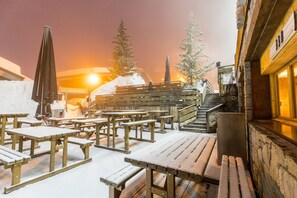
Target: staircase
199 125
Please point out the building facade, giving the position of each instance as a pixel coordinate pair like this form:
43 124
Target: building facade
266 73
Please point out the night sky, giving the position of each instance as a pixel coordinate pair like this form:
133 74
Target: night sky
83 31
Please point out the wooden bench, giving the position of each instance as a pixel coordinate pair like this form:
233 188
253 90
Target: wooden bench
14 160
118 179
129 125
163 119
84 145
234 179
32 123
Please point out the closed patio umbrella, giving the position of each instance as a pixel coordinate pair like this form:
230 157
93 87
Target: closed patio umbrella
45 82
167 72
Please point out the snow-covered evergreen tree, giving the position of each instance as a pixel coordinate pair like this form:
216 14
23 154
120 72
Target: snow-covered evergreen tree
194 64
122 54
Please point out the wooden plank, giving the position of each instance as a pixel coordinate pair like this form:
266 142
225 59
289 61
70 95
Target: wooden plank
15 152
233 178
213 169
16 158
244 186
79 141
138 122
223 187
6 160
121 176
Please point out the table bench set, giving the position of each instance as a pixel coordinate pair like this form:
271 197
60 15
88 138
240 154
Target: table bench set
60 132
180 157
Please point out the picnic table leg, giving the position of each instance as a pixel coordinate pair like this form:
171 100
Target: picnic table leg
15 122
13 144
171 185
65 151
152 130
3 123
162 124
113 132
108 130
149 183
141 130
98 128
127 130
32 148
172 123
52 155
21 141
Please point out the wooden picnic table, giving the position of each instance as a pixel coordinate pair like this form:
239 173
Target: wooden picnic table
96 122
111 119
54 121
45 133
153 113
180 155
3 120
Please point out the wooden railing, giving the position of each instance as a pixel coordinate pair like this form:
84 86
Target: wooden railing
176 85
211 117
186 115
155 98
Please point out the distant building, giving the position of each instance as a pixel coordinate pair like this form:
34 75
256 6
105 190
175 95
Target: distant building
10 71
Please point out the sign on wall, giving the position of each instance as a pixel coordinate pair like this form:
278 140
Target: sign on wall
284 36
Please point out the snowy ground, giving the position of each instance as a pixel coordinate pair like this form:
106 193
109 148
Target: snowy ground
82 181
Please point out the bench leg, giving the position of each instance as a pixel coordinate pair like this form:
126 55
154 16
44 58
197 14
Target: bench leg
65 151
52 155
32 148
86 151
114 193
16 174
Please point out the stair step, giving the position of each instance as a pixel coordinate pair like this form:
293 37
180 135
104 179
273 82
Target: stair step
195 126
193 130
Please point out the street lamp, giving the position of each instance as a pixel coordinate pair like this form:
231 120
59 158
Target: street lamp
93 79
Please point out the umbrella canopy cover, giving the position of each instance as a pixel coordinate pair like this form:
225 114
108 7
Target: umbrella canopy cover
167 72
45 82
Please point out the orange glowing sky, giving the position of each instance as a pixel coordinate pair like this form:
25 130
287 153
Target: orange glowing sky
83 31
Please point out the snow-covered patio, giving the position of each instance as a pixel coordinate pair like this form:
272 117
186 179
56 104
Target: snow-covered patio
82 181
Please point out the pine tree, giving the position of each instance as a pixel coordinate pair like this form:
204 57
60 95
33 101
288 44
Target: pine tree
194 63
122 54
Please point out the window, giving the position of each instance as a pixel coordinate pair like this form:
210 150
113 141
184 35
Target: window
283 93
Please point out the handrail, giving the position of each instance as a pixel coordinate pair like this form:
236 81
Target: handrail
209 111
182 110
185 108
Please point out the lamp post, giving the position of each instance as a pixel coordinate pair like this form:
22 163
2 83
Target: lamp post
93 79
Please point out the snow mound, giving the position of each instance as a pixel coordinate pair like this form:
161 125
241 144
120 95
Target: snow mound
16 97
110 87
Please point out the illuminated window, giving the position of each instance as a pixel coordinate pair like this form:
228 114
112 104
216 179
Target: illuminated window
283 93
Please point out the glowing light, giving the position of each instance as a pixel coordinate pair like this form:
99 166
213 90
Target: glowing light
93 79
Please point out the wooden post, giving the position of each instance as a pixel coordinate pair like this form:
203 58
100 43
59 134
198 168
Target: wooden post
149 183
162 124
15 122
65 150
172 119
86 151
52 155
13 144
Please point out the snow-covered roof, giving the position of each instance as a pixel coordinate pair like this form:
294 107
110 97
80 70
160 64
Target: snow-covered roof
10 70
